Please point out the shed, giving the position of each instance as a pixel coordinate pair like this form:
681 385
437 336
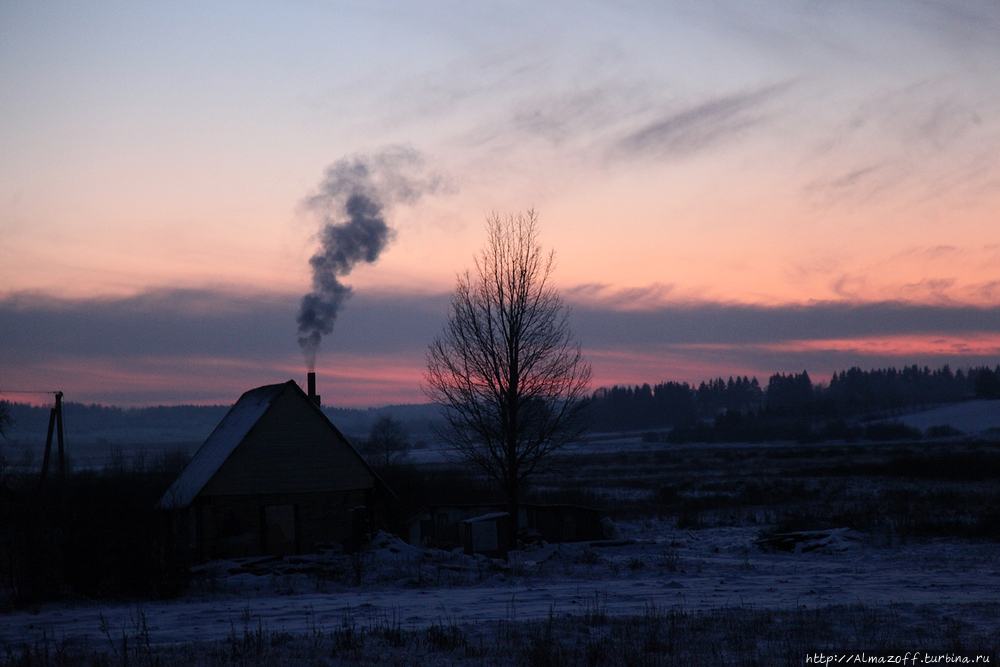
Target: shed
486 534
275 477
439 526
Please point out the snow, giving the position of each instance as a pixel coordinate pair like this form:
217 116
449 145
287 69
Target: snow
657 564
486 517
971 417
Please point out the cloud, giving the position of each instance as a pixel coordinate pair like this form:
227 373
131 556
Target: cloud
175 346
736 324
988 291
934 289
929 137
203 322
581 122
626 120
933 252
685 131
963 23
184 322
564 118
853 178
630 298
208 346
158 322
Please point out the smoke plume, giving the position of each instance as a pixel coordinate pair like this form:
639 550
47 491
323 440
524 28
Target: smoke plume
350 201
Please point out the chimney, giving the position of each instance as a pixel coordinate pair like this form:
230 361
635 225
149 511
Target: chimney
311 382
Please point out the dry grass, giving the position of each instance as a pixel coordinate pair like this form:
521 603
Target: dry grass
730 636
892 491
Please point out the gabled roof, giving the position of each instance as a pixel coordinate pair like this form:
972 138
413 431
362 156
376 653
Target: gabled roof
220 444
228 435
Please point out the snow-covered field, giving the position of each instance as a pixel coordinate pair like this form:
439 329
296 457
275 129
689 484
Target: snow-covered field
971 417
656 565
918 501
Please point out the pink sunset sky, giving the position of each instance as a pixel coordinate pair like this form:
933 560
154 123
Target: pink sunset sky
730 187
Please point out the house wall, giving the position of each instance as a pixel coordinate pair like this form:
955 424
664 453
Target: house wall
240 526
292 484
291 449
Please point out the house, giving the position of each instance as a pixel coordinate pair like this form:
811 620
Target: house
275 477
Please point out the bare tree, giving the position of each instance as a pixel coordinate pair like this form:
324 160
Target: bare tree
387 443
505 369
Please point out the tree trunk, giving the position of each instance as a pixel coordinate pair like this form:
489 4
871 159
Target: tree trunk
514 510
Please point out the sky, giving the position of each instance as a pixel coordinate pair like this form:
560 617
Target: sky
730 187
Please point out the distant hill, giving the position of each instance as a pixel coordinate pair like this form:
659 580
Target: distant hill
99 423
416 419
94 432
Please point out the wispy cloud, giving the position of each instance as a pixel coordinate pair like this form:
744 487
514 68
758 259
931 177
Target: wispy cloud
927 138
853 178
943 274
680 132
934 252
623 121
603 295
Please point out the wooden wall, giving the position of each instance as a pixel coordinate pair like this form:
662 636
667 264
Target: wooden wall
292 485
291 449
240 526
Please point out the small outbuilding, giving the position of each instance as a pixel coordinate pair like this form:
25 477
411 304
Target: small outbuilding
486 534
449 527
275 477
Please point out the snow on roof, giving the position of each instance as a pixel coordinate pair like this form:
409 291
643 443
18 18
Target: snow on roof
220 444
487 517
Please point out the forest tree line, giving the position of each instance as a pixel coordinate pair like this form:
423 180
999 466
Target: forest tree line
849 393
665 405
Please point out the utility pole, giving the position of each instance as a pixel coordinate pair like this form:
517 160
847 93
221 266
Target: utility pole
55 423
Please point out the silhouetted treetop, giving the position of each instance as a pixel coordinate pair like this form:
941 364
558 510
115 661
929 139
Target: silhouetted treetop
851 392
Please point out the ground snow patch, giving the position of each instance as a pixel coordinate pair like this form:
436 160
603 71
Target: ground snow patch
970 417
656 565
